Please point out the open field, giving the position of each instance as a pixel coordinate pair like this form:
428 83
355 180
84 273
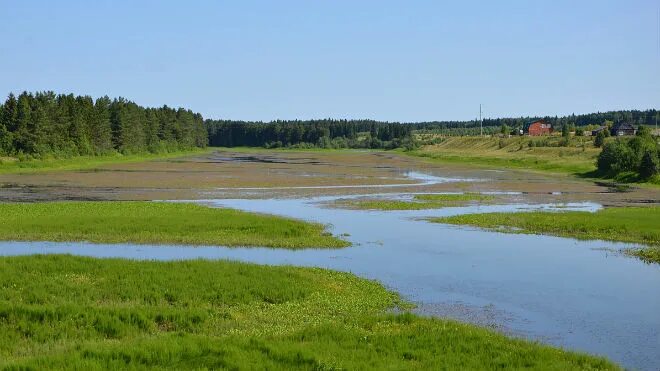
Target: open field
71 312
630 224
156 223
515 152
418 202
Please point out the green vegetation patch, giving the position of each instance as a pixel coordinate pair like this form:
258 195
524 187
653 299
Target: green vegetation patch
157 223
10 165
70 312
629 224
419 202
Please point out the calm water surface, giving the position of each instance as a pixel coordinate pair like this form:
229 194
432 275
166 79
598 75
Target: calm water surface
581 295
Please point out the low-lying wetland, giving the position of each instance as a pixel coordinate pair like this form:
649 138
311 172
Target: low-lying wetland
582 295
72 312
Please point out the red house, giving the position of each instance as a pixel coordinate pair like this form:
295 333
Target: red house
539 127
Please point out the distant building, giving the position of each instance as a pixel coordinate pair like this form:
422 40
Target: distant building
539 127
623 128
596 131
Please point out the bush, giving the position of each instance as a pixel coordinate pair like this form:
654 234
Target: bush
616 157
600 139
650 164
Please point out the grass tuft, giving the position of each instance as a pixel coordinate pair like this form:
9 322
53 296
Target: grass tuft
419 202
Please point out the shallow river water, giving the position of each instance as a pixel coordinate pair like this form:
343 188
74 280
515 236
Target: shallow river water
581 295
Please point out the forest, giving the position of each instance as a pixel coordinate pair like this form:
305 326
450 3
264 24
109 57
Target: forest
64 125
327 133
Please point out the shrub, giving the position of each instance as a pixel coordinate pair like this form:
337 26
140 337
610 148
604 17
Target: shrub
600 139
616 157
650 164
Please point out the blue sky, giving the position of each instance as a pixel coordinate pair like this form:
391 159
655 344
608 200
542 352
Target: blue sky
387 60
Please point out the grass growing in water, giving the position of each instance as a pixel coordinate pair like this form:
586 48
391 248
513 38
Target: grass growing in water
629 224
158 223
79 313
419 202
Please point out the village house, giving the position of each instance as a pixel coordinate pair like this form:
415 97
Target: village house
596 131
623 128
539 127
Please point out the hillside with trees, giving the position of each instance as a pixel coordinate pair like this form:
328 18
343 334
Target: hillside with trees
46 124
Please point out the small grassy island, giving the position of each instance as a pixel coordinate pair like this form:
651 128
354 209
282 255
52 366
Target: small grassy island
156 223
419 202
61 311
630 224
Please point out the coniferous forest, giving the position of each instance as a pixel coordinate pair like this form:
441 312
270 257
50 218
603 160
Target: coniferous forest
326 133
49 124
44 123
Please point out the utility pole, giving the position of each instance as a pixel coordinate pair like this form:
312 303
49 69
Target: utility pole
481 121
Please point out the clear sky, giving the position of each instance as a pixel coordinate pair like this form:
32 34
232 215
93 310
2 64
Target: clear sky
388 60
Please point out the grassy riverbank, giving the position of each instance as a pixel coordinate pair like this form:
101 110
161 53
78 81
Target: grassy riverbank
629 224
418 202
80 313
516 152
156 223
10 165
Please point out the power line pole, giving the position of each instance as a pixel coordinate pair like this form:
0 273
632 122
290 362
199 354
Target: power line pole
481 121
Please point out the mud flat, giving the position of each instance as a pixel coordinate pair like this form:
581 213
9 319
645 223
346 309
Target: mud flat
258 173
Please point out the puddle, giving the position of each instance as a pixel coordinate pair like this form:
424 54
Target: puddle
569 293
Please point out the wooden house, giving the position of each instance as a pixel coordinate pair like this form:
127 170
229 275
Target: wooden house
539 127
623 128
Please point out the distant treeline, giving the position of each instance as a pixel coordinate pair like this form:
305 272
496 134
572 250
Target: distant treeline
66 125
326 133
635 117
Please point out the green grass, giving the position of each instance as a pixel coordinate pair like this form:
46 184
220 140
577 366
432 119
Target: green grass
576 159
14 166
515 152
419 202
156 223
65 312
627 224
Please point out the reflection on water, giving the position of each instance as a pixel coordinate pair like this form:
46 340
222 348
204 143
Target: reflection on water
575 294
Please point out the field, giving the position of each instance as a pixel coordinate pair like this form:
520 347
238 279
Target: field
533 153
156 223
630 224
418 202
80 313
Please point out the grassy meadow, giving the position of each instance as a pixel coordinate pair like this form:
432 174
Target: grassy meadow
419 202
60 311
627 224
12 165
156 223
534 153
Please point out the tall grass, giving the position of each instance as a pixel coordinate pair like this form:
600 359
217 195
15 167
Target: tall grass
64 312
626 224
157 223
